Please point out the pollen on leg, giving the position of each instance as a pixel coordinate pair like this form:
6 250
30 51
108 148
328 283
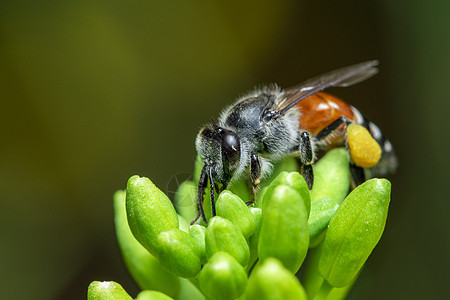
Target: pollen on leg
364 149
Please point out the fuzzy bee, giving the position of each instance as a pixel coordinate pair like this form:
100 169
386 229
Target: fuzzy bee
271 123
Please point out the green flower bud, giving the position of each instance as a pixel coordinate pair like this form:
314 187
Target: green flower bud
143 267
240 189
149 212
321 212
222 235
231 207
331 176
272 281
293 180
254 239
354 231
331 185
284 229
178 253
152 295
314 283
107 290
198 234
260 197
222 277
288 164
186 200
183 224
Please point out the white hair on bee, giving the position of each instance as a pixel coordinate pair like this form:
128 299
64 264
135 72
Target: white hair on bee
244 161
272 89
264 125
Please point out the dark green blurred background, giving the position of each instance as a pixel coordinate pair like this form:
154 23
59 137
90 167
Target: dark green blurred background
93 92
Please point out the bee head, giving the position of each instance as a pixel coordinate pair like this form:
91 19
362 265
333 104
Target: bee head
219 148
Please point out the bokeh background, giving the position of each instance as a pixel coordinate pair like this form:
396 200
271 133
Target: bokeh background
93 92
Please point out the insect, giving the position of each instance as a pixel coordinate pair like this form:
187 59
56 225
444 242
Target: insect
271 123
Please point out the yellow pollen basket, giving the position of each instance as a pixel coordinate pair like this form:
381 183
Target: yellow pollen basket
364 150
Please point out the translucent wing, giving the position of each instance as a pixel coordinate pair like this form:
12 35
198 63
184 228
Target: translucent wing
342 77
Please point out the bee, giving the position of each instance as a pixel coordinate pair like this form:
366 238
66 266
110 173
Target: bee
270 123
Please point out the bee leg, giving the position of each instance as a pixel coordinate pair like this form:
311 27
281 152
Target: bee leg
308 174
211 190
202 182
255 176
331 129
357 175
307 158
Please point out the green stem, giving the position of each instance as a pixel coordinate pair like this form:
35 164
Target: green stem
190 289
252 267
324 290
194 282
312 281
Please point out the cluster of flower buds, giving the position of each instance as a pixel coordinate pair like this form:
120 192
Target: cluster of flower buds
250 252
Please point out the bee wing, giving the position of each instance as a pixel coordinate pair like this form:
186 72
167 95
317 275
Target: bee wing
339 78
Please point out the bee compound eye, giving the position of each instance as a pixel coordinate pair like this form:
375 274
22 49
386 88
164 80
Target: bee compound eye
230 142
231 147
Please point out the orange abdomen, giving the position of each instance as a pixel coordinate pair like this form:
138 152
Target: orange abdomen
320 110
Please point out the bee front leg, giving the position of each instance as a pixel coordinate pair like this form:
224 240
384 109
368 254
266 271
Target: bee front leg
202 182
212 187
307 157
255 176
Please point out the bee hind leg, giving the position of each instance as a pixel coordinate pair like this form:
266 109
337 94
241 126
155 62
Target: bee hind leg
339 127
357 175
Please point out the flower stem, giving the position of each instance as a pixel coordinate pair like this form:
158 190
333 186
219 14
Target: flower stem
324 290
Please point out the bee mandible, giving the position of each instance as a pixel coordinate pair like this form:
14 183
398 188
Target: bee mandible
270 123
